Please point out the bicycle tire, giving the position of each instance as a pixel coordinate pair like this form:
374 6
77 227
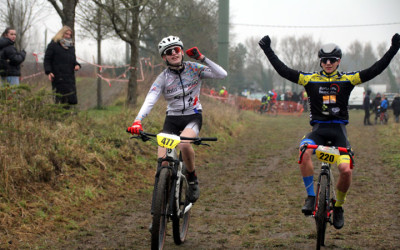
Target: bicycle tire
321 213
158 230
180 224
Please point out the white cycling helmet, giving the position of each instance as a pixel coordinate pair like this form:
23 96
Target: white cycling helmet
167 42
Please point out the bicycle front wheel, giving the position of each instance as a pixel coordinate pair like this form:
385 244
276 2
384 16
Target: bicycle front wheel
321 213
160 211
180 223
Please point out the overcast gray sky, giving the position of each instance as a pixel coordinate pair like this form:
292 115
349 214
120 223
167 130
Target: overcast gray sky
280 18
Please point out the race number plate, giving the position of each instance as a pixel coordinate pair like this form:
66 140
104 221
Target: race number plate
327 154
167 140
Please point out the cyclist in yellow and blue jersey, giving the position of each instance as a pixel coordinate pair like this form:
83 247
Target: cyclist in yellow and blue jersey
328 96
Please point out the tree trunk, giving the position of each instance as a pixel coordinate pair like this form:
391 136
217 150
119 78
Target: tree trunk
99 98
69 13
131 98
99 62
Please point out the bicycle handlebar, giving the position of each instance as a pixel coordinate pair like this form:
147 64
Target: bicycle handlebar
196 140
341 149
306 146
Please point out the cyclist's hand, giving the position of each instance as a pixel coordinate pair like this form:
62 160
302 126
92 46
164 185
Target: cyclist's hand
136 128
396 40
265 42
194 53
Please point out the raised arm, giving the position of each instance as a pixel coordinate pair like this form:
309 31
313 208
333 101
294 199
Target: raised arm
283 70
214 72
381 65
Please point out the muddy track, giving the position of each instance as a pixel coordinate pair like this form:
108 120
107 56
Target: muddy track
251 196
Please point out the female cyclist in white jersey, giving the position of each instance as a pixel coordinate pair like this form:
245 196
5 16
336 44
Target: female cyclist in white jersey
180 85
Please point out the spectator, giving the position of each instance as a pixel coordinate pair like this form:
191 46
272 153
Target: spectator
212 92
304 100
396 107
223 92
376 106
384 107
60 65
367 108
11 59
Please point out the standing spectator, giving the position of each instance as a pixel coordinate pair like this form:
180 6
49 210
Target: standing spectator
384 108
367 108
376 104
60 65
223 92
212 92
11 59
396 107
304 99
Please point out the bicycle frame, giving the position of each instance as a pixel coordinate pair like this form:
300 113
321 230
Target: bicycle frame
175 165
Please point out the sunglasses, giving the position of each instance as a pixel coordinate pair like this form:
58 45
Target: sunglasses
168 52
331 59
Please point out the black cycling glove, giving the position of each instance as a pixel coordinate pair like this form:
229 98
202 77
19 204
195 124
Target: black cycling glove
396 40
265 43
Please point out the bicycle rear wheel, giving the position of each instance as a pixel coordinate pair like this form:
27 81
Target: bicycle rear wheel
160 211
321 213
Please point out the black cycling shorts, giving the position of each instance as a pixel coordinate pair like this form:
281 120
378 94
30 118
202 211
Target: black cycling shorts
321 133
176 124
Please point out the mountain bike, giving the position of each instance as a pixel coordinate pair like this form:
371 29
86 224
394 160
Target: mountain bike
170 201
268 108
326 196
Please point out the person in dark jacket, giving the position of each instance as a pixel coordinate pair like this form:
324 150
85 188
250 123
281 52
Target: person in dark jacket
396 107
11 59
367 107
60 65
376 105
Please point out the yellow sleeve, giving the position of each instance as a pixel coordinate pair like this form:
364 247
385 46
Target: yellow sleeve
355 78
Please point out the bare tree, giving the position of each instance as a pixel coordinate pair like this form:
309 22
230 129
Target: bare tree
21 15
124 16
258 71
195 22
66 11
92 19
300 54
390 72
237 61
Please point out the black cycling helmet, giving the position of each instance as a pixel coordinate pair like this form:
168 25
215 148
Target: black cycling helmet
330 50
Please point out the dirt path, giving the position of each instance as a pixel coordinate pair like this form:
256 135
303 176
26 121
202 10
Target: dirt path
251 196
